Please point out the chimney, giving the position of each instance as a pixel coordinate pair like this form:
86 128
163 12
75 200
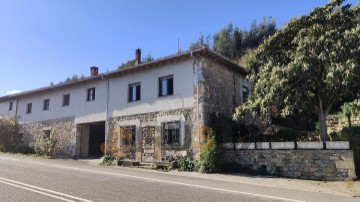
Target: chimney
137 56
94 71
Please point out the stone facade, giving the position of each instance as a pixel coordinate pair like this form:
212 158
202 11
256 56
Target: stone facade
304 164
220 89
65 131
150 123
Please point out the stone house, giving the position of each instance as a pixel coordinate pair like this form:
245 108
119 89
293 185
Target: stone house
145 112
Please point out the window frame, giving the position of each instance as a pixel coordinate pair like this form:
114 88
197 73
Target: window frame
90 96
11 103
132 142
137 92
177 134
169 86
46 104
28 108
68 100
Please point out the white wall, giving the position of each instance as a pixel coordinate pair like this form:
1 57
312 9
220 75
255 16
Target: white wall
83 111
93 111
150 101
4 108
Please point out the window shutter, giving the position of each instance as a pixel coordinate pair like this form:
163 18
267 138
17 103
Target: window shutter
138 92
160 87
170 84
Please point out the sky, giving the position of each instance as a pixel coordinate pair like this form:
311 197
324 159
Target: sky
44 41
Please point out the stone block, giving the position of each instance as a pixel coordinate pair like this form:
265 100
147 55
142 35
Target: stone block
282 145
263 145
337 145
245 145
310 145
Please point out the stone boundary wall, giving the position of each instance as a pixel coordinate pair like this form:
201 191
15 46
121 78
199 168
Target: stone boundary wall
65 130
305 164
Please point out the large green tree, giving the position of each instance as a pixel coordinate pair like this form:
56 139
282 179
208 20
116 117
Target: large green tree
233 42
310 64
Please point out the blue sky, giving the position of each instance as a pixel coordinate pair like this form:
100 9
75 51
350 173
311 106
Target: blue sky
49 40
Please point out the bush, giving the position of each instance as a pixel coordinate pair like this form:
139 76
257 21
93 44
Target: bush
286 134
339 136
210 155
10 138
107 160
45 146
187 164
354 137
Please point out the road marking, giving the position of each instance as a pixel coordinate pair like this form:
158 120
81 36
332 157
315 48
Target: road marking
180 183
169 182
42 190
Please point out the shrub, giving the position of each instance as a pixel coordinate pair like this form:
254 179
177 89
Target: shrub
45 146
286 134
339 136
107 160
10 138
354 137
210 155
187 164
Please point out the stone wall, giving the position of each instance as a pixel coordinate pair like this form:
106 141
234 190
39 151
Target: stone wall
65 131
220 89
304 164
153 119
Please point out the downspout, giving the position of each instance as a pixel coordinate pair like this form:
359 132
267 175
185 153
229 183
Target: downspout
16 109
107 115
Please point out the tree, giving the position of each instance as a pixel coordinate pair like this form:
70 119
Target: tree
310 64
148 58
201 42
349 109
234 42
10 138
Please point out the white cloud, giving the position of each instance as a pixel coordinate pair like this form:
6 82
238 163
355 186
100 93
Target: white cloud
9 92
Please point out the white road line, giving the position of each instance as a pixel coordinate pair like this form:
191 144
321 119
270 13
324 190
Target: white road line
36 191
170 182
23 185
180 183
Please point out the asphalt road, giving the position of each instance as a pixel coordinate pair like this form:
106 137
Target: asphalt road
34 179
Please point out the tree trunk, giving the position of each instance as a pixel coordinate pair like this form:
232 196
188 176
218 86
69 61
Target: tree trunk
349 120
323 127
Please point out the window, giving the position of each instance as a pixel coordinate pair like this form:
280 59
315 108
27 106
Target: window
46 104
28 108
90 94
134 92
127 137
166 86
245 93
10 105
47 133
171 133
66 100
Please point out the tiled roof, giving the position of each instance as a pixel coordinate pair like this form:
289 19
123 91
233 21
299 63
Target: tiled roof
203 52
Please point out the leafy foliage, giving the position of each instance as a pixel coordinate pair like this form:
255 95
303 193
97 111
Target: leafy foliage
350 108
310 64
234 42
187 164
201 42
45 146
353 134
10 138
210 155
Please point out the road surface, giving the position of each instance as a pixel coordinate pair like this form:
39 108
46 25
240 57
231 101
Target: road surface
25 178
